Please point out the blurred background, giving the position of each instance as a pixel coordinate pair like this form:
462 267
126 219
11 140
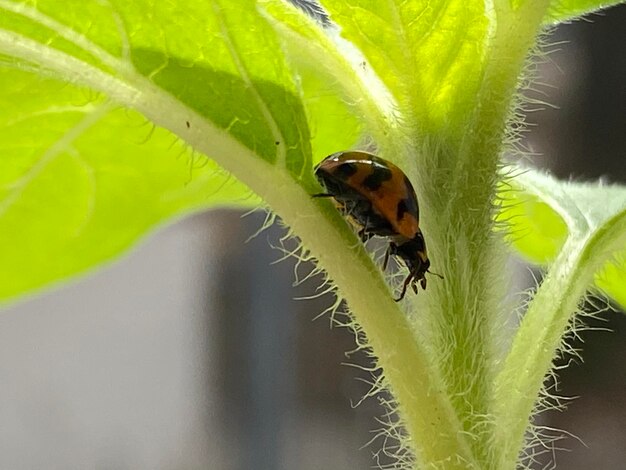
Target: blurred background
191 352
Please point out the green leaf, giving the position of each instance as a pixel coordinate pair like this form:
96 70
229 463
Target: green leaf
335 86
315 60
541 212
82 179
612 279
429 54
533 228
561 11
333 126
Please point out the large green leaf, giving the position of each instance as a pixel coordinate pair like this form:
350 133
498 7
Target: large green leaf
334 82
82 180
542 213
83 177
429 54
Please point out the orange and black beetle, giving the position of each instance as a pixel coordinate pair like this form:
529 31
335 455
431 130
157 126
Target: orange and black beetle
380 200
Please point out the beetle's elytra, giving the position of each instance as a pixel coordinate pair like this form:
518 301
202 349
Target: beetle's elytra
377 197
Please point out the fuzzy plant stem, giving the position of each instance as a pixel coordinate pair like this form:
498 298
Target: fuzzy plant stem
540 336
458 188
534 349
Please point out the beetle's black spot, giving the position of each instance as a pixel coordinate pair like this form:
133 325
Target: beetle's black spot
345 170
411 199
401 209
378 176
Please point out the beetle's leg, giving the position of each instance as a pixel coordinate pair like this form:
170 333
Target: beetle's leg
322 195
407 281
363 235
386 260
391 250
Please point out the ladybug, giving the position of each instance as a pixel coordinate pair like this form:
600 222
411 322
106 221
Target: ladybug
378 198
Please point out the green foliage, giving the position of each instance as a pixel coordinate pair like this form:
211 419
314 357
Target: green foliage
109 110
82 180
432 74
542 213
595 220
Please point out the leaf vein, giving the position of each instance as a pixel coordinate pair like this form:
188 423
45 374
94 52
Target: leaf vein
277 135
55 150
67 33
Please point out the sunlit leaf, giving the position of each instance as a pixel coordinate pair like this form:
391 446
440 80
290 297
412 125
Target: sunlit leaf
83 176
81 180
429 54
541 213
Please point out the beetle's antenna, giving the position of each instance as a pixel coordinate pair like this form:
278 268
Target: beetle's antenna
436 274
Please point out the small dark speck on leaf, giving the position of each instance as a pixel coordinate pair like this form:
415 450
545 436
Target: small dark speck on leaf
188 124
277 142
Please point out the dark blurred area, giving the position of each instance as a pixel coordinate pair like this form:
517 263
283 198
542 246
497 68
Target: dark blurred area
192 353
